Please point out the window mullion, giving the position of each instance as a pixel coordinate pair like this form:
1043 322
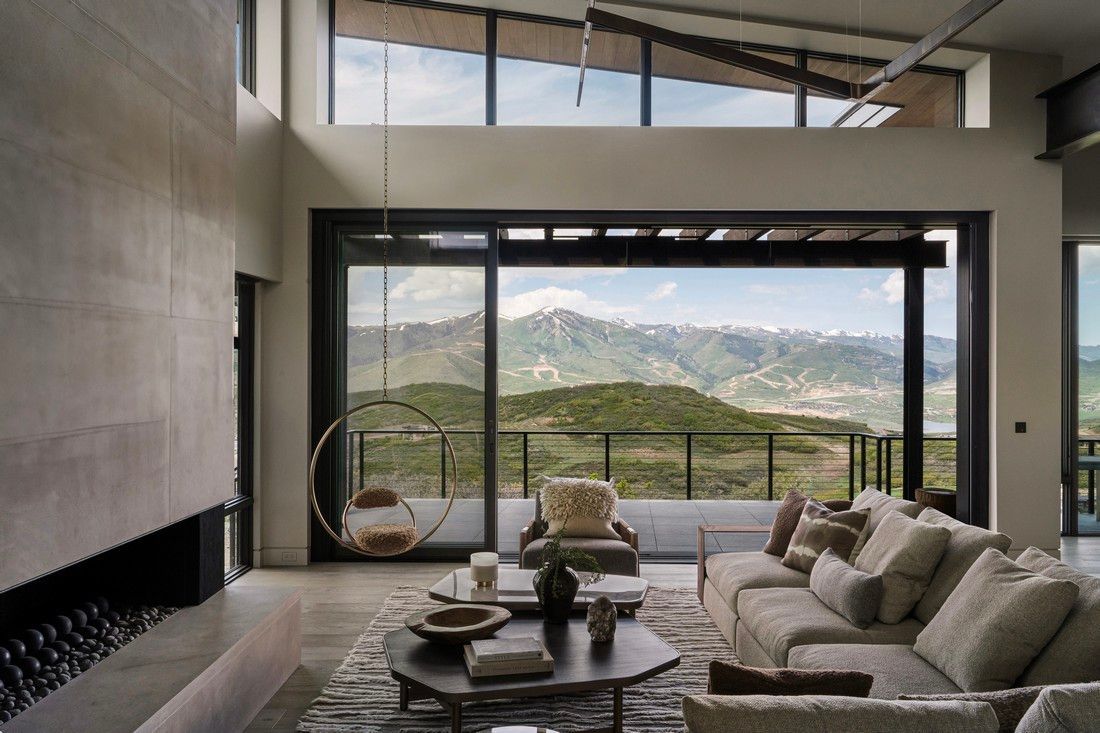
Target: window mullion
646 77
490 67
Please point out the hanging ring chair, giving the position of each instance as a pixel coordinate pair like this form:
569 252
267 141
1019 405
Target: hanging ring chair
381 540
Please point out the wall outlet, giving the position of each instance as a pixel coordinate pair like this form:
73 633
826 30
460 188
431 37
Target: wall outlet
291 556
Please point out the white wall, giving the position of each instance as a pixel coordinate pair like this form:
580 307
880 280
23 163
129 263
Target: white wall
117 126
259 189
988 169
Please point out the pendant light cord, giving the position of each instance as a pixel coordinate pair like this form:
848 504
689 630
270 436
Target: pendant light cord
385 198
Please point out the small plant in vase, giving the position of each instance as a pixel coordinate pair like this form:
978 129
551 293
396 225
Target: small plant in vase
556 581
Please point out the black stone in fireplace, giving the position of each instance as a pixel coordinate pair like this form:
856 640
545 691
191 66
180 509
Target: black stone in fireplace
60 625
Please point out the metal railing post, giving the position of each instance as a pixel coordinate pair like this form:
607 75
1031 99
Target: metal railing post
607 456
443 469
525 475
1092 482
771 467
862 462
889 465
689 466
851 466
361 460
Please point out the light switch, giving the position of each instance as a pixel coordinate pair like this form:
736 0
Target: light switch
1021 427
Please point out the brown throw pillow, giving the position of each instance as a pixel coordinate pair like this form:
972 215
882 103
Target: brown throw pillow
786 519
819 528
733 679
1008 705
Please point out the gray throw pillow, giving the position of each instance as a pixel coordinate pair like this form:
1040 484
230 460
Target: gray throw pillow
1064 709
1008 705
818 528
1073 655
966 544
905 553
996 621
880 505
852 594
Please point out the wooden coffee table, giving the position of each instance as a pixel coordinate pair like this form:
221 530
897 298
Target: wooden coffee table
514 590
434 671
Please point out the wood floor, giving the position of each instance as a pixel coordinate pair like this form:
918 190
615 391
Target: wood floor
339 600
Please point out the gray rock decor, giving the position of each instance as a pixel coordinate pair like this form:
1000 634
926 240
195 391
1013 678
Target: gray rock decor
602 616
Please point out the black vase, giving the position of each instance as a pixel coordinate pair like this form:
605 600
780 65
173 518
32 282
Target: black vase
556 593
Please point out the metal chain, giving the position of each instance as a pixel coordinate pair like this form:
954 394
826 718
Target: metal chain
385 199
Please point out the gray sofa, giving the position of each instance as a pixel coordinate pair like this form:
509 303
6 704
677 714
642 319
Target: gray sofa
772 619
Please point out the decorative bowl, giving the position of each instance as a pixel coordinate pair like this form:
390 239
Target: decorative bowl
458 623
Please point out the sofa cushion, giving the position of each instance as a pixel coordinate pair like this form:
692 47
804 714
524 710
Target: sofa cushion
896 668
820 527
733 572
995 623
1008 705
1063 709
786 520
905 553
854 595
615 556
966 544
781 618
748 649
1073 655
726 678
832 714
880 505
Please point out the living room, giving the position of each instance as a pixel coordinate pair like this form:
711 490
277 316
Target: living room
352 339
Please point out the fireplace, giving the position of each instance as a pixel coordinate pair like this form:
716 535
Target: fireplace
59 625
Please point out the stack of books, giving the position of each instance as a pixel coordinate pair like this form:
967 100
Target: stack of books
511 655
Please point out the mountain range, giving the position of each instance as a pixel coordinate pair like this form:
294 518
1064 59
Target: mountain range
834 374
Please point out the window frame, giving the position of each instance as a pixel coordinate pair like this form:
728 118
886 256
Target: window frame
645 113
244 343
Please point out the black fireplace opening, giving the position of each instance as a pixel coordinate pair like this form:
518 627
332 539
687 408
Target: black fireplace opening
57 626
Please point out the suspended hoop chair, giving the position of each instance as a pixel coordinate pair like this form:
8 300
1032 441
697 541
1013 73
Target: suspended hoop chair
382 540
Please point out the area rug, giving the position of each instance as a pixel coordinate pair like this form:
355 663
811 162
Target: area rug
361 697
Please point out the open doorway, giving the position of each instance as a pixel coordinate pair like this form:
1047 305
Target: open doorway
1081 388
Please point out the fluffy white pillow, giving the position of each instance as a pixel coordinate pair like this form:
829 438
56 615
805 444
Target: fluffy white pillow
584 507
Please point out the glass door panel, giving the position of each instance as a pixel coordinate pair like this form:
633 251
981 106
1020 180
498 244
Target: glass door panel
437 362
1088 387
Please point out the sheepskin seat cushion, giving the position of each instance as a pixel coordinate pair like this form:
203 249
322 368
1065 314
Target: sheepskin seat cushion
386 539
583 507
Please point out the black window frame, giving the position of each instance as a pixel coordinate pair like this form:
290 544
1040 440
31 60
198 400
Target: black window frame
645 112
246 64
244 344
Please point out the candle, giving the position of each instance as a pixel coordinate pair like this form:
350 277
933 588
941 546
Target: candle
483 569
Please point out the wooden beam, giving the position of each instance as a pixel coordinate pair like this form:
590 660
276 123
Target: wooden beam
827 85
1073 114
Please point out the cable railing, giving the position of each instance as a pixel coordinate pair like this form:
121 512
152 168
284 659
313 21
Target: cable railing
681 464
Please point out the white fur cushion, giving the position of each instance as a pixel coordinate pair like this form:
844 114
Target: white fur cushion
585 507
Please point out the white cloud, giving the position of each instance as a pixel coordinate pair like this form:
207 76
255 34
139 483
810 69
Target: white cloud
554 297
662 291
891 291
438 283
512 275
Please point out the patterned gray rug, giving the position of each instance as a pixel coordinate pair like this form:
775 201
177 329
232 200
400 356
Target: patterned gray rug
362 697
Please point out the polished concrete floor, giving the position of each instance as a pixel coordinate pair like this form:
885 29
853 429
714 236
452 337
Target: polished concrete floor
339 600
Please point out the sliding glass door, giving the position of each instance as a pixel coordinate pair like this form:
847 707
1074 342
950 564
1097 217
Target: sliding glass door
1081 386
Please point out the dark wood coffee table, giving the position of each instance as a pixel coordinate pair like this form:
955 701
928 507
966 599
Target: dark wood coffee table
434 671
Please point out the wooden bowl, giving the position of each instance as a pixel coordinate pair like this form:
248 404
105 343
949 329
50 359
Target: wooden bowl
458 623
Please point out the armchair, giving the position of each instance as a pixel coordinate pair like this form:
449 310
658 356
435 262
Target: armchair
616 557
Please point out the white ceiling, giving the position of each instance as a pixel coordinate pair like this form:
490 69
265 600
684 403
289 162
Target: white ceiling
1069 28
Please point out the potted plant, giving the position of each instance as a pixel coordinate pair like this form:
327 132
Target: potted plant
556 581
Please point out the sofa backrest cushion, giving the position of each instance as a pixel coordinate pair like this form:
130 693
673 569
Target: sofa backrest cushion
1064 709
880 505
818 528
966 544
786 520
1073 655
995 623
905 553
854 595
1008 705
781 714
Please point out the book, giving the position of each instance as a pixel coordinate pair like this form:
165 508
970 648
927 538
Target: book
543 664
507 649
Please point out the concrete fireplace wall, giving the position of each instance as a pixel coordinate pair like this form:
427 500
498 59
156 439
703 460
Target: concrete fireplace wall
117 136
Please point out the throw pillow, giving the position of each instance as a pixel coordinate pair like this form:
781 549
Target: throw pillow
880 505
1063 709
786 519
726 678
853 594
583 507
905 553
1073 655
820 527
966 544
994 624
1008 705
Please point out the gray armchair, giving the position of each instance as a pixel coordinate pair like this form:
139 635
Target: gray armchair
616 557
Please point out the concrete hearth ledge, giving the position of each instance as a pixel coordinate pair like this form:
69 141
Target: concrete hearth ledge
210 668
